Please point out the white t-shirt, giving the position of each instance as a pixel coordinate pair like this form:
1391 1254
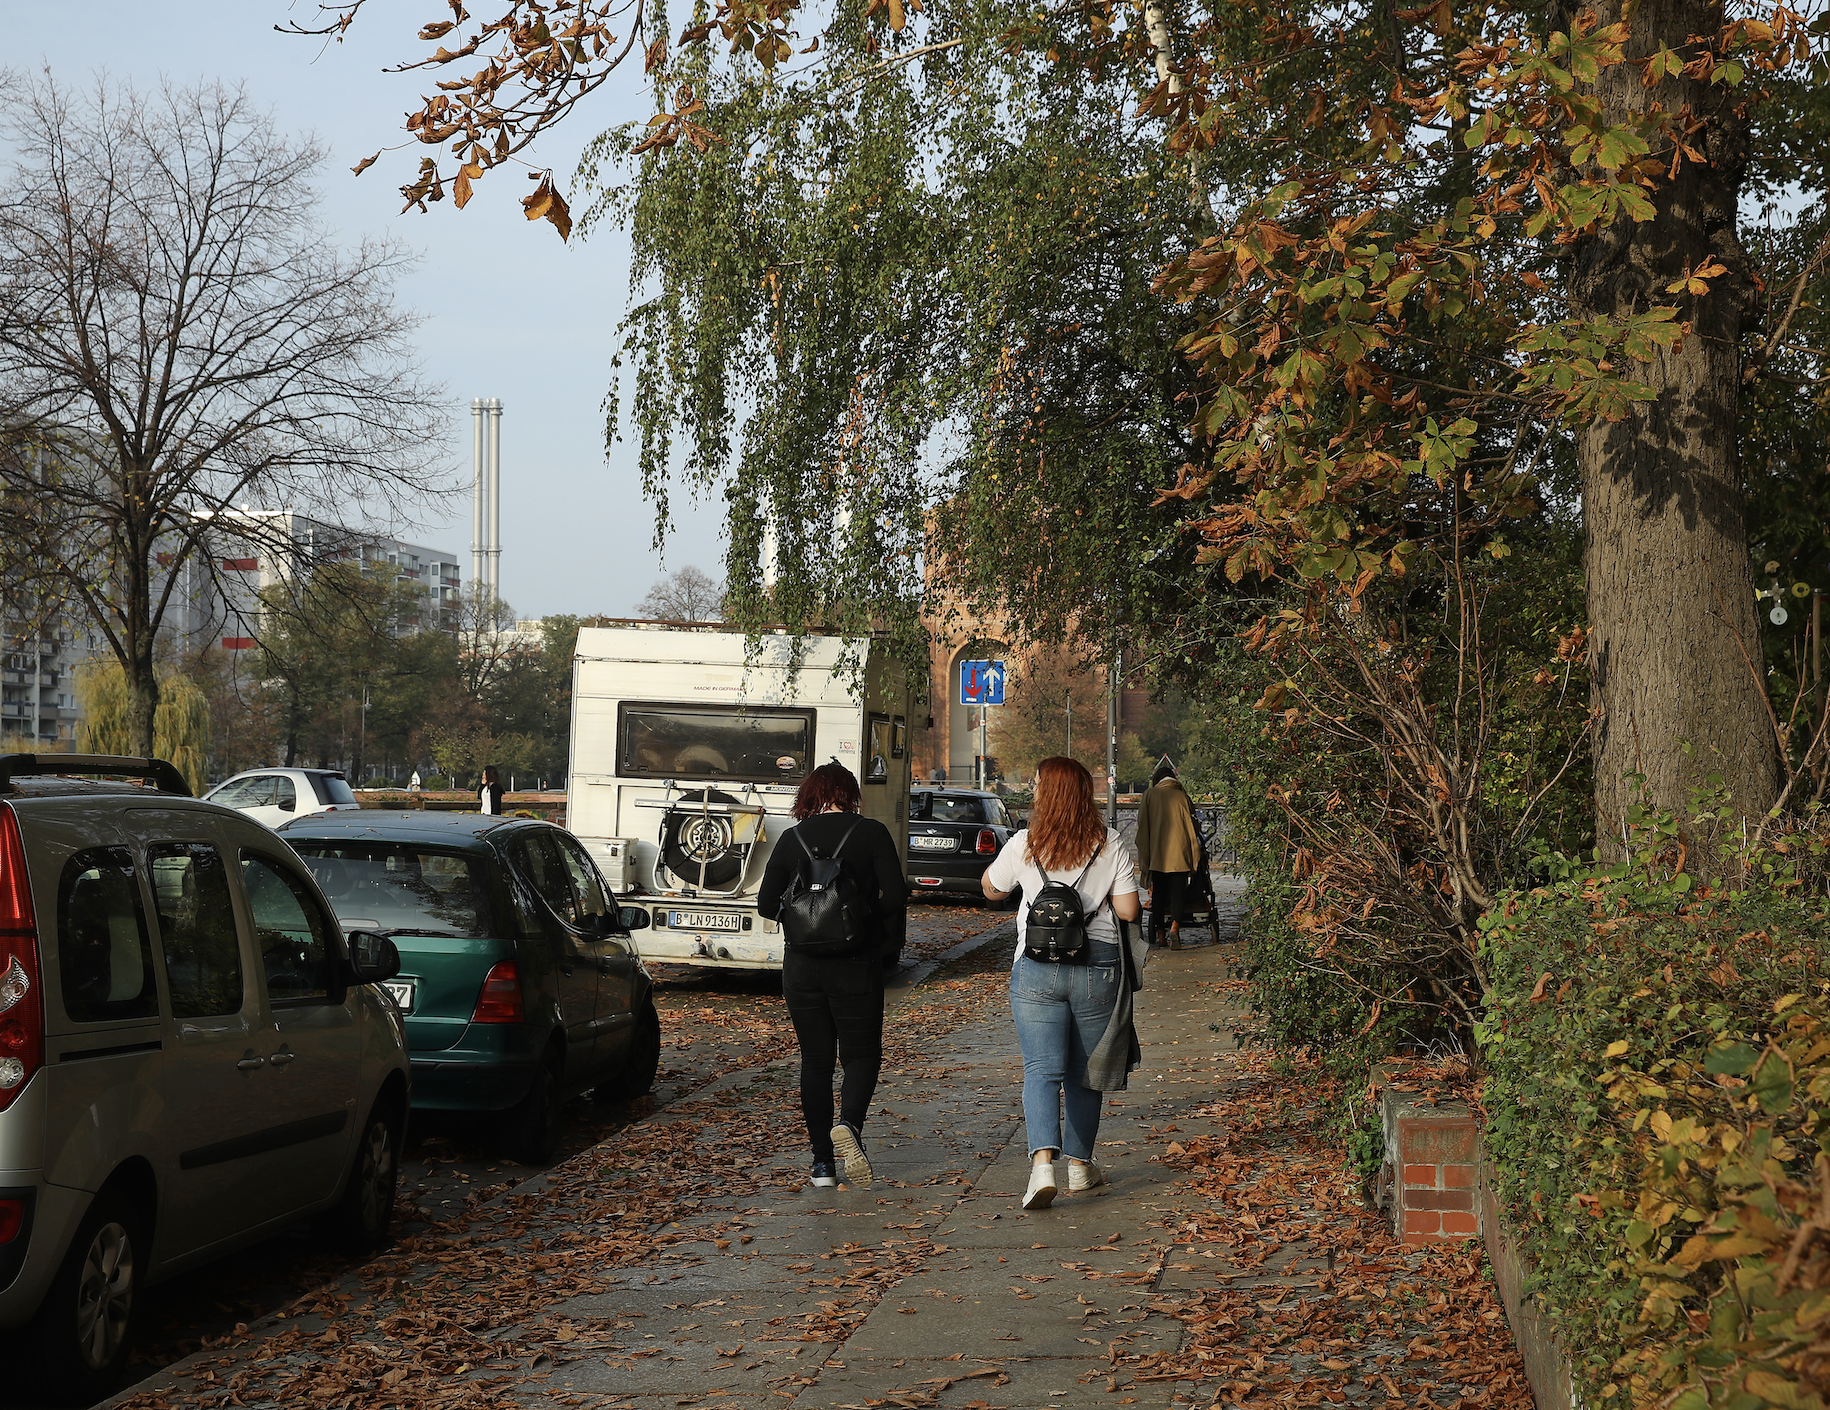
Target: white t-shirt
1113 873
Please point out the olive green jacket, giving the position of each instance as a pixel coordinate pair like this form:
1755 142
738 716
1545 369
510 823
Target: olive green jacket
1166 837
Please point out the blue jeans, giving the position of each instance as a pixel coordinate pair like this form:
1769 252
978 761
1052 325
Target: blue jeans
1061 1012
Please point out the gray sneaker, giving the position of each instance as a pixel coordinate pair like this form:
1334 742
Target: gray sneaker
848 1146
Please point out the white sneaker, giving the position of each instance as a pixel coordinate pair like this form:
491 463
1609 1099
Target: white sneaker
1041 1187
1084 1176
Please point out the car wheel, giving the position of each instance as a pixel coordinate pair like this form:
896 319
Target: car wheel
640 1064
84 1327
362 1215
531 1127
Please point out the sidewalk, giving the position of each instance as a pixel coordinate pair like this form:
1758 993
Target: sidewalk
994 1305
687 1263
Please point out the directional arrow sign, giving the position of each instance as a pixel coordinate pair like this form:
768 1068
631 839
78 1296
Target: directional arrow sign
981 682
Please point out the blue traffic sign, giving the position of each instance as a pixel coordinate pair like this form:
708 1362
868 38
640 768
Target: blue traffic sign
981 682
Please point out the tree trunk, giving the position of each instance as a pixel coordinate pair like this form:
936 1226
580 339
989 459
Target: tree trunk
292 724
1671 608
142 705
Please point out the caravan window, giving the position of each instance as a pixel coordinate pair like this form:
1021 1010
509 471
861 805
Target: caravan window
744 743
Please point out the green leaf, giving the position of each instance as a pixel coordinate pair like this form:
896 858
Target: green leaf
1731 1059
1772 1083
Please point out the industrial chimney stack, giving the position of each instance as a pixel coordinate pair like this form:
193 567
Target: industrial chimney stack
486 504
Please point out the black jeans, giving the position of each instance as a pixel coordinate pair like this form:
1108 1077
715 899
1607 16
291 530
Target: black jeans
837 1008
1167 888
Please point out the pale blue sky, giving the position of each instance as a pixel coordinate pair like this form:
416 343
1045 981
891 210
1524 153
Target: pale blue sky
510 311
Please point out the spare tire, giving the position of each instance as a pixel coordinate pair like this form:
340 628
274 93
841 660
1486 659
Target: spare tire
689 839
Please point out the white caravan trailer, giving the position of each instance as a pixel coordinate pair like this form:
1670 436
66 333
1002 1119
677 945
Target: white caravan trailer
685 760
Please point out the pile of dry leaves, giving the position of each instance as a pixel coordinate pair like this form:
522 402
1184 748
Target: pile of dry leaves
1314 1295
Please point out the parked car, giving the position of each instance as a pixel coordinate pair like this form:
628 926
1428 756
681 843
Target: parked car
518 979
275 796
953 835
190 1057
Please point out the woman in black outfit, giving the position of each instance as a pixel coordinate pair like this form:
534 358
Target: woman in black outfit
837 1002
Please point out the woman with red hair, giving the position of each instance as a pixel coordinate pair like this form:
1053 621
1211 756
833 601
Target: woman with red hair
836 1001
1061 1009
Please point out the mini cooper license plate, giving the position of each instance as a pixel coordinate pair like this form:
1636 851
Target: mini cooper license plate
932 844
704 920
401 990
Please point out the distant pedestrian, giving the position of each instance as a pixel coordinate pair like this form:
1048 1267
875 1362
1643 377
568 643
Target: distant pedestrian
1062 1007
413 782
489 792
836 1000
1169 849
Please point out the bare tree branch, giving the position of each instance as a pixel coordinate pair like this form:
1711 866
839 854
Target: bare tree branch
180 340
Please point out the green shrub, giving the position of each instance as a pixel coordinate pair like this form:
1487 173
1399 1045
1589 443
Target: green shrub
1658 1106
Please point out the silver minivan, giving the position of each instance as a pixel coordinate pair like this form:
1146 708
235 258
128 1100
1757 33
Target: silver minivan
191 1055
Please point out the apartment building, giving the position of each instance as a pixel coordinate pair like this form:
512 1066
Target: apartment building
262 549
41 645
217 602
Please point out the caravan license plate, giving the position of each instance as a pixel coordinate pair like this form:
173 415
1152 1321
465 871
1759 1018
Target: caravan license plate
932 844
704 920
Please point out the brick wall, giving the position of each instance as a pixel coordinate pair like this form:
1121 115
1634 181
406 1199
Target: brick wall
1435 1188
1432 1157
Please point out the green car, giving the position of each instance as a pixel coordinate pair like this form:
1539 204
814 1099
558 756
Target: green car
518 981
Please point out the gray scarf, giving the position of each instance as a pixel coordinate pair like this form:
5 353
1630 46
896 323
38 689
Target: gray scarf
1111 1064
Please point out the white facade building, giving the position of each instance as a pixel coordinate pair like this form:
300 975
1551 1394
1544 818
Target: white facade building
217 602
262 549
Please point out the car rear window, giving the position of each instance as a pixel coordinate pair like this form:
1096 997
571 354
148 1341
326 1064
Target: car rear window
943 809
331 789
394 886
102 945
758 743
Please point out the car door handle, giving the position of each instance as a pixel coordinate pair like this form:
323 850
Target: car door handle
282 1057
250 1061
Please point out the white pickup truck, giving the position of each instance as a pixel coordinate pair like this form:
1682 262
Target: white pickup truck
685 758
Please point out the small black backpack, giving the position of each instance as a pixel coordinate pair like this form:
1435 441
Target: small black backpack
823 912
1055 926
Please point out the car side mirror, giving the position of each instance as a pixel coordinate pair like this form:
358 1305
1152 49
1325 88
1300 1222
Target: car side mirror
634 917
286 805
372 956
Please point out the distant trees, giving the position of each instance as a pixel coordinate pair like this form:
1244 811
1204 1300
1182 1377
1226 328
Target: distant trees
179 334
688 595
342 677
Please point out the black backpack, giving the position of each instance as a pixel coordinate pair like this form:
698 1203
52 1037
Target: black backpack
823 912
1055 926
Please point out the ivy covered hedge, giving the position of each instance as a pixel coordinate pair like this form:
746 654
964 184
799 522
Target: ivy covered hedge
1658 1106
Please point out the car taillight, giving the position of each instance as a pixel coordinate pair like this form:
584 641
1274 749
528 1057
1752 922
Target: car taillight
21 1021
12 1216
988 841
500 1001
